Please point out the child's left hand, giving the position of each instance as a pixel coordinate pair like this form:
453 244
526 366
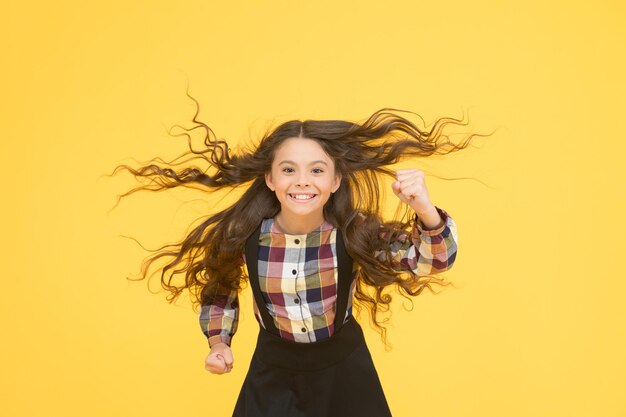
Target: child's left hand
410 188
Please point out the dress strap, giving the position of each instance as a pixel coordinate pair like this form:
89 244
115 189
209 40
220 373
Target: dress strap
345 263
252 262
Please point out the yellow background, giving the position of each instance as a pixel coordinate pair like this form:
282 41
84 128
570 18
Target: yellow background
536 325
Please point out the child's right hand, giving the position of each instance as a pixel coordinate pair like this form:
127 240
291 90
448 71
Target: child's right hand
220 359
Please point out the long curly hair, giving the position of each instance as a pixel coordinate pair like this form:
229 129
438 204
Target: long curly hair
210 256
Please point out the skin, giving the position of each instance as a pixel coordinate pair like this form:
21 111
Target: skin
411 189
301 166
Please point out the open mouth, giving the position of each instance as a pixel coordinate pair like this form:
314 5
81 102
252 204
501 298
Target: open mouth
302 197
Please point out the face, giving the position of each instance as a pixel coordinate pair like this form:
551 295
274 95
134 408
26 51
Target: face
302 176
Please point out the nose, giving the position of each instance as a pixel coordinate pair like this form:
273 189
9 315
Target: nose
303 180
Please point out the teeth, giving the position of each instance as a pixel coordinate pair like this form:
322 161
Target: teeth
302 196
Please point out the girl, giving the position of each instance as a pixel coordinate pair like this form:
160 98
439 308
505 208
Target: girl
309 231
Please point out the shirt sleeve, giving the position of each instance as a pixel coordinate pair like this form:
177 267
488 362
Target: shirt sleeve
219 319
425 252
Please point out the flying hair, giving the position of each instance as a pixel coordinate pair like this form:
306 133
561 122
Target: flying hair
210 256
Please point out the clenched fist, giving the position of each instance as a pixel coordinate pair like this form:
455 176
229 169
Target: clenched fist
410 188
220 359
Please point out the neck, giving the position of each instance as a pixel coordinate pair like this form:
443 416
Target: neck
298 225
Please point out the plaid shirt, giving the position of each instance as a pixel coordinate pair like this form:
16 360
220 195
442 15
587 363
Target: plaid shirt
298 278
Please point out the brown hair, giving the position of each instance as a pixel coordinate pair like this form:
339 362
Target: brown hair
212 252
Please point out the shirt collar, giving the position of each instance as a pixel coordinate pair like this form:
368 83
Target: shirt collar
325 226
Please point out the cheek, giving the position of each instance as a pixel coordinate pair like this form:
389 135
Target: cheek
281 182
328 184
281 185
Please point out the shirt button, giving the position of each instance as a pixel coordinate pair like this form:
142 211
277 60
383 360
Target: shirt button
295 300
297 241
293 271
303 329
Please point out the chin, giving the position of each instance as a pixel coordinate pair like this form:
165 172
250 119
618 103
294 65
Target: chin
303 208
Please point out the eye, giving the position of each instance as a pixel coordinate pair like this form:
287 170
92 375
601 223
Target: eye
316 170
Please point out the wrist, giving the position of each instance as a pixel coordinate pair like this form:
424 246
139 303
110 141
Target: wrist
429 211
219 345
430 218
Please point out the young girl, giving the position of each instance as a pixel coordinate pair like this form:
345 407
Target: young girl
309 232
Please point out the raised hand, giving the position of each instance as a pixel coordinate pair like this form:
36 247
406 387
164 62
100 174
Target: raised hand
410 188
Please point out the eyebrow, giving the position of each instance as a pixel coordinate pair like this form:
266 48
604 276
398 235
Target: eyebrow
312 163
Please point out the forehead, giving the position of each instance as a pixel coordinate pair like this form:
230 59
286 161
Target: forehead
302 150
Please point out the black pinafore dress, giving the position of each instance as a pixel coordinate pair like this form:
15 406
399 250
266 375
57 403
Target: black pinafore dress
333 377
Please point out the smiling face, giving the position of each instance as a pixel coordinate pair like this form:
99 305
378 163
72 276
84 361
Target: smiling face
303 177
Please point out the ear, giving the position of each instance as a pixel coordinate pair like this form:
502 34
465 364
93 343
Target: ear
268 181
337 182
